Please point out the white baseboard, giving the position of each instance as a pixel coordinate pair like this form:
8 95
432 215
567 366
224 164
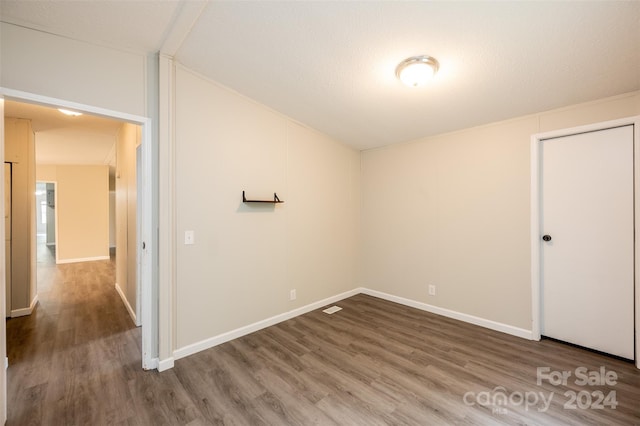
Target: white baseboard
165 364
51 244
82 259
15 313
132 313
242 331
482 322
153 364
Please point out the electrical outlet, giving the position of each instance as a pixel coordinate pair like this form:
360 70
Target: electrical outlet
292 294
432 290
189 237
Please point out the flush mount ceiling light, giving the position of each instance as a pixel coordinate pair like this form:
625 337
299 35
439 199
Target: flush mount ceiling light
417 70
68 112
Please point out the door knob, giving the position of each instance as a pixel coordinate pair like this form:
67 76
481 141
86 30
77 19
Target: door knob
546 237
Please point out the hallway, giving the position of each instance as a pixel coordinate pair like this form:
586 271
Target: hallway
78 347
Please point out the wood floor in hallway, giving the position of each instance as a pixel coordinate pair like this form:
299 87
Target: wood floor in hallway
76 361
71 362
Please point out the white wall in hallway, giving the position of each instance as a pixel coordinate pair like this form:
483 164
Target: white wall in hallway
82 208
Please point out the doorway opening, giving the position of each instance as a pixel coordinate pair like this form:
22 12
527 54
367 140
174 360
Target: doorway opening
143 250
45 206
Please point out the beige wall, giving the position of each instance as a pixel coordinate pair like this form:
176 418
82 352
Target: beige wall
46 173
20 151
454 211
128 139
67 69
246 258
82 210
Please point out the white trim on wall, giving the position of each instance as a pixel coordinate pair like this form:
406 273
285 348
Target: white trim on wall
536 283
33 98
145 252
482 322
248 329
242 331
3 288
535 243
15 313
166 213
55 219
82 259
132 313
165 364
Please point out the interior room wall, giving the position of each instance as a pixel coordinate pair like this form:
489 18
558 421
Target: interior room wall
59 67
454 211
46 172
246 258
127 140
19 149
83 211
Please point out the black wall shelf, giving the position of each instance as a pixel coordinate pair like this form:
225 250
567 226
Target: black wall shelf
275 200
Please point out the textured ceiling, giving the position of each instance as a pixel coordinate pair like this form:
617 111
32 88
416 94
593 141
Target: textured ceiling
136 25
331 65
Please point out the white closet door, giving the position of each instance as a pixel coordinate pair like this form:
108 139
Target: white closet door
588 264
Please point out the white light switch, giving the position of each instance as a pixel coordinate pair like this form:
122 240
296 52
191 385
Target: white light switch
189 238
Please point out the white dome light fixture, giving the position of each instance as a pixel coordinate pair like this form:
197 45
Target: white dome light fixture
417 70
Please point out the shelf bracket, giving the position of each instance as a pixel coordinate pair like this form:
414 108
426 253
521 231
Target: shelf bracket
276 200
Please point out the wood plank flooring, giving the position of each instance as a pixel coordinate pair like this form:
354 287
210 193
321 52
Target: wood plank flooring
76 361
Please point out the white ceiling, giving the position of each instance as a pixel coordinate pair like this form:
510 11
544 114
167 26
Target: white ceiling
331 65
61 139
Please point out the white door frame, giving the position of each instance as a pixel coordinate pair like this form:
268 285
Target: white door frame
536 308
3 307
145 232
